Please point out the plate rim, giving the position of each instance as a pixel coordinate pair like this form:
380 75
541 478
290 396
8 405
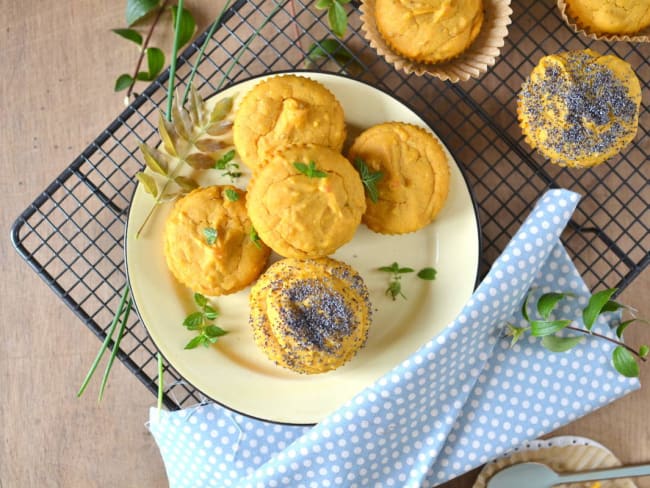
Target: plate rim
398 98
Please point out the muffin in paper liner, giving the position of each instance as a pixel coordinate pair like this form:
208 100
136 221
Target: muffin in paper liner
583 28
472 63
563 455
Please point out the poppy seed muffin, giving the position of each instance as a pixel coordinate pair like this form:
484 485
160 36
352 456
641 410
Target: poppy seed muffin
301 212
310 316
284 110
579 108
414 184
207 241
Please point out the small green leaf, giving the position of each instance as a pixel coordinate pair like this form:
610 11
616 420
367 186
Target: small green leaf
223 161
394 290
515 332
427 274
155 61
193 321
643 351
547 302
255 238
123 82
624 362
541 328
405 270
613 306
221 109
369 179
214 331
331 48
560 344
393 268
167 134
136 9
310 170
187 184
187 25
622 326
338 19
219 128
595 306
195 342
200 161
148 183
323 4
231 194
210 235
200 300
154 159
208 145
524 307
129 34
143 76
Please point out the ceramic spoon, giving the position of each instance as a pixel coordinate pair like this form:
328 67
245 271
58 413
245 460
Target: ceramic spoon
535 475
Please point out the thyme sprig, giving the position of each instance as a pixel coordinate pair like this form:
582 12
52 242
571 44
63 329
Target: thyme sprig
624 357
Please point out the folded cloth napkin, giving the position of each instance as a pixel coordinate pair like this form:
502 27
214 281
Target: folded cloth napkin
460 400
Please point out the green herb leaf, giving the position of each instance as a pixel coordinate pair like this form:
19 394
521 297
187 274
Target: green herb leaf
186 27
331 48
338 18
547 302
643 351
155 61
223 161
148 183
427 274
129 34
393 268
193 321
210 235
622 326
231 194
219 128
310 170
595 306
154 159
613 306
524 307
136 9
123 82
195 342
200 161
167 134
541 328
214 331
624 362
323 4
394 290
405 270
560 344
369 179
208 145
200 300
187 184
515 332
221 109
255 238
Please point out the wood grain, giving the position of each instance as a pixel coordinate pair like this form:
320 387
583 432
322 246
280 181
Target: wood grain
59 62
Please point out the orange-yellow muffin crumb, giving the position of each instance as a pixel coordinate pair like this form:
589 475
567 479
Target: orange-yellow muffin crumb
610 16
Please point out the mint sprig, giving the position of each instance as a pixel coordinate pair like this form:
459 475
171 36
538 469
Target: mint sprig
310 170
396 271
336 15
624 357
202 322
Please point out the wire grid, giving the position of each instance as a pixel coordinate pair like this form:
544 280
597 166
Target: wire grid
72 234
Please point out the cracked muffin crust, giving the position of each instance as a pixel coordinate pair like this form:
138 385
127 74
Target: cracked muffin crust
415 176
207 242
310 316
604 17
303 216
284 110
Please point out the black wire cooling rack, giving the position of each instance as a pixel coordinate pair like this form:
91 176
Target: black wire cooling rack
72 234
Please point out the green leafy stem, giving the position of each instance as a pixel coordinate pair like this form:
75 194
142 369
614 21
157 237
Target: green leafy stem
624 357
396 271
202 322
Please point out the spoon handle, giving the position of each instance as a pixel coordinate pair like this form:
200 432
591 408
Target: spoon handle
606 474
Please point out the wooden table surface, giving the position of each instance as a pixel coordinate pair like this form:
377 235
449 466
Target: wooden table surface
59 62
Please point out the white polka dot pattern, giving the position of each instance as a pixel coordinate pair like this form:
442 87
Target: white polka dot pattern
460 400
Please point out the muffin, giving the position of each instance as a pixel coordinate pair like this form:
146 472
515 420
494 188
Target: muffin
609 17
306 201
415 176
207 242
286 110
579 108
310 316
429 31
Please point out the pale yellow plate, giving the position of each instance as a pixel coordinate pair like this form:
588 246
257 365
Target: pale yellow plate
234 372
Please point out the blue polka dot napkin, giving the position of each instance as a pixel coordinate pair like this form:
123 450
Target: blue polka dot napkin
462 399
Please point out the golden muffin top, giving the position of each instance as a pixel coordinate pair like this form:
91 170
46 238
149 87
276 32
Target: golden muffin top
207 241
415 176
310 316
306 201
580 108
286 110
429 30
610 16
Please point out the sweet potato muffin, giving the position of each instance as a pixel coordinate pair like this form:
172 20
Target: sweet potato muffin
604 17
310 316
207 241
429 31
415 176
579 108
286 110
306 201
